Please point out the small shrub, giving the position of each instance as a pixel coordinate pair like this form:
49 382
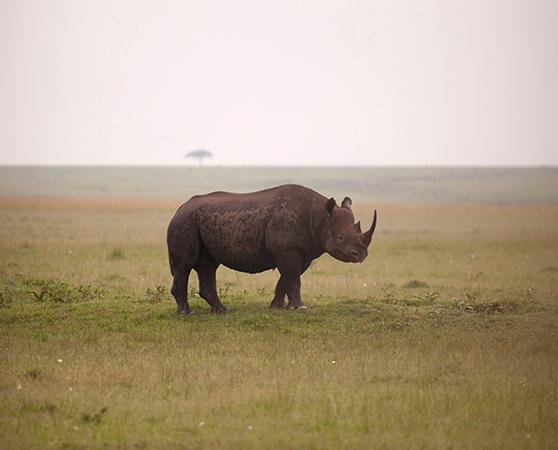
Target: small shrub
158 294
6 298
550 269
94 418
422 300
502 305
415 284
85 293
53 290
116 253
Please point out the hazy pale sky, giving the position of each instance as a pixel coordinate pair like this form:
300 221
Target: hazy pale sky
279 82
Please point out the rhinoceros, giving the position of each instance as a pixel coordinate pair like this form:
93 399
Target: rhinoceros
284 227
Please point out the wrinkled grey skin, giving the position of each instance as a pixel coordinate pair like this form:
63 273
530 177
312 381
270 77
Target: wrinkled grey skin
285 227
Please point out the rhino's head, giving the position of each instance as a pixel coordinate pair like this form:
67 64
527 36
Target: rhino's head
343 239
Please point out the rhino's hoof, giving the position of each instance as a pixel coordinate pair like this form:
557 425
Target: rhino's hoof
300 307
187 312
219 309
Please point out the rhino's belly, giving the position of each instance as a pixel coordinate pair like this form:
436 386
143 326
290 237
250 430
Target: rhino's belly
252 266
236 257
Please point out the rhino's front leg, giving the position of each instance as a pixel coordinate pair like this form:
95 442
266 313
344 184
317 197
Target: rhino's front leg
290 267
279 297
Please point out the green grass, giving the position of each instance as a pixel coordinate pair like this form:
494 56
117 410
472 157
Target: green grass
445 337
350 372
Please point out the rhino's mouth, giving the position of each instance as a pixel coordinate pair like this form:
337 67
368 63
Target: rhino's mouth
353 256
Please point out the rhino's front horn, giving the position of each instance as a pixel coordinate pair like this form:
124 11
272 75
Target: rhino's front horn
366 237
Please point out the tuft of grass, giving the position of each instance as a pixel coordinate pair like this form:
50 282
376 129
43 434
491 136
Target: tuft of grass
550 269
116 253
95 418
30 406
53 290
33 374
6 298
412 284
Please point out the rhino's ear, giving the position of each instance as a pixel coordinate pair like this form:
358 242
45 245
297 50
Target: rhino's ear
330 204
346 203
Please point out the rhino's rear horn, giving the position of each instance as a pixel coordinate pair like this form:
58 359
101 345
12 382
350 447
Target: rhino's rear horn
347 203
366 238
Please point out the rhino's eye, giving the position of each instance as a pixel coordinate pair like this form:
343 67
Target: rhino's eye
340 238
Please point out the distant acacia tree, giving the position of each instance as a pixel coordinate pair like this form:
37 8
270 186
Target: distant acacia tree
200 155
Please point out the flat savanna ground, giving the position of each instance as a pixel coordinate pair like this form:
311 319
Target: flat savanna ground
445 337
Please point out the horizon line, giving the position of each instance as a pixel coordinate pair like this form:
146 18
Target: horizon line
292 166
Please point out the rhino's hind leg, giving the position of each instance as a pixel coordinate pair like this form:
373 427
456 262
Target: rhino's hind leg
179 291
208 286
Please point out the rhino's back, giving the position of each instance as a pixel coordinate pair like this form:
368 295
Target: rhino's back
233 226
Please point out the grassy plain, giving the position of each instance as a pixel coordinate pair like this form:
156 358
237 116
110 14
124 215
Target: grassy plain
445 337
381 184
